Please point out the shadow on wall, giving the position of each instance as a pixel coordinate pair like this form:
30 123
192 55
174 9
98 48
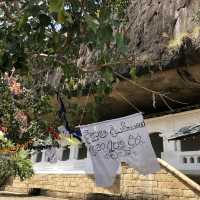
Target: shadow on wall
157 143
114 189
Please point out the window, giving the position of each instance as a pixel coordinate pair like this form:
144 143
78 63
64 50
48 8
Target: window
198 159
65 154
191 144
38 157
82 152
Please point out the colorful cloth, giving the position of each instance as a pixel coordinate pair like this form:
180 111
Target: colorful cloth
51 155
62 113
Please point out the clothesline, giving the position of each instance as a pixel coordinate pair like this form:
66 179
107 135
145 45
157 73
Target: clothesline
153 92
148 89
127 101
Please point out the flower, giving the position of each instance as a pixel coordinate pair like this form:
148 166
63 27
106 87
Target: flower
55 135
15 87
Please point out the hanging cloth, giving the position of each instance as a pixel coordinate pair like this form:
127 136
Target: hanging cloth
119 140
76 135
51 155
62 112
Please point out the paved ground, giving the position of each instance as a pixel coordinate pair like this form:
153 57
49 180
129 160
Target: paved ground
28 198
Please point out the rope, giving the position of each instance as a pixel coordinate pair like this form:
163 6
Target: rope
149 90
165 102
85 105
127 101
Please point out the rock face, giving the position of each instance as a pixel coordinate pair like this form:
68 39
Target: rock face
164 38
165 41
164 32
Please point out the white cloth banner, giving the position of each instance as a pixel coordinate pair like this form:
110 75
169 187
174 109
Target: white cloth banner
119 140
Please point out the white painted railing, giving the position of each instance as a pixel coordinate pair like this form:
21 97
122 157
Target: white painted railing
188 162
190 157
70 166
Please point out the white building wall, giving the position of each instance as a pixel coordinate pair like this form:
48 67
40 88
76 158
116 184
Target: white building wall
166 125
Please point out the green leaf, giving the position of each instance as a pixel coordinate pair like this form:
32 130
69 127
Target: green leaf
121 43
34 10
105 14
106 33
99 99
108 90
108 75
56 6
119 40
61 16
68 18
1 13
93 23
22 22
27 27
133 72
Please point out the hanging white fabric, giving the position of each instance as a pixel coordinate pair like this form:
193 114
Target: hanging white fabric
124 139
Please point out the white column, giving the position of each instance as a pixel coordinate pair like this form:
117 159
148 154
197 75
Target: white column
43 155
178 145
73 152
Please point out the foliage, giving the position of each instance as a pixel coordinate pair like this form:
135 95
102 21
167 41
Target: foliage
13 162
60 46
23 114
22 123
196 18
6 170
21 165
15 165
41 36
51 44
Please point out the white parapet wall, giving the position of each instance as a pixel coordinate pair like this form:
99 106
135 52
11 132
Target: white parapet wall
166 125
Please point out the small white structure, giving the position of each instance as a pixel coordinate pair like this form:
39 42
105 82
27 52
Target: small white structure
182 154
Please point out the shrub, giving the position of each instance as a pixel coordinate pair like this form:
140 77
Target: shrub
17 164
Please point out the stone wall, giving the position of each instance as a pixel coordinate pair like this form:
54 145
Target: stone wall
167 184
62 185
163 186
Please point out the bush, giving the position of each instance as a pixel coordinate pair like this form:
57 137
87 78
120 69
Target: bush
17 164
22 165
6 170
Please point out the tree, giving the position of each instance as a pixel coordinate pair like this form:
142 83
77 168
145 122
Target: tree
22 123
59 46
61 39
